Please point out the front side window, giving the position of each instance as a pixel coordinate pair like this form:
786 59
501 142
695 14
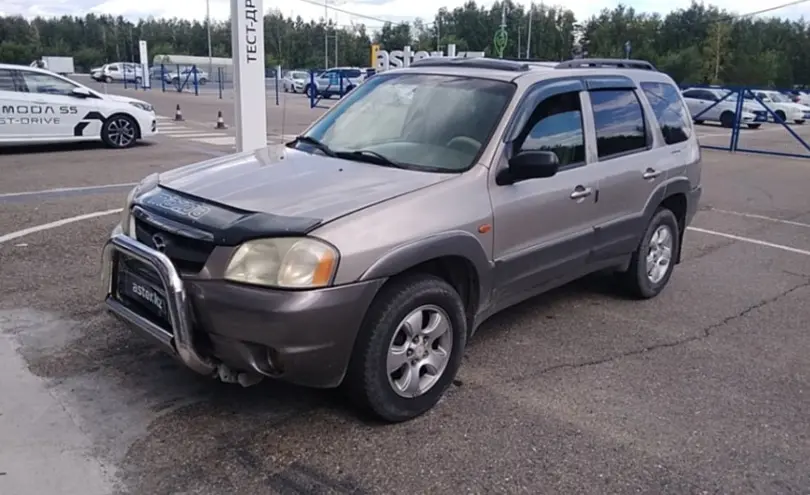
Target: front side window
556 126
352 73
47 84
420 121
619 122
671 114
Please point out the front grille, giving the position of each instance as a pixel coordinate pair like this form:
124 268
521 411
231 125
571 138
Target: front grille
187 254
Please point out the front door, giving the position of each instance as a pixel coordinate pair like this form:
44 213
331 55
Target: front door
55 112
544 227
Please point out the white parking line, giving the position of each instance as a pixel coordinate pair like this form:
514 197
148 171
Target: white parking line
217 141
751 241
761 217
66 189
52 225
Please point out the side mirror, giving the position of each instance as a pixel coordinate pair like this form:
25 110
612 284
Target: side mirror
81 92
529 165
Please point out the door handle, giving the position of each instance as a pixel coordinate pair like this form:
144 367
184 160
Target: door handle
581 192
650 174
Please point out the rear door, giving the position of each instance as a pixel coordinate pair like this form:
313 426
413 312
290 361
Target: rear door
629 165
12 101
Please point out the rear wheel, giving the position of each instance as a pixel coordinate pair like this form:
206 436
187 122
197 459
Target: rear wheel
652 263
108 79
409 348
119 131
781 115
799 122
753 126
727 119
202 81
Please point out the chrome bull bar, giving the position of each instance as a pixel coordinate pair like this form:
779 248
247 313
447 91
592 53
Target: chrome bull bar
179 343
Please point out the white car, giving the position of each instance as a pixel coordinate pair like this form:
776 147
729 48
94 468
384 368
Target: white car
779 104
337 81
700 101
38 106
295 81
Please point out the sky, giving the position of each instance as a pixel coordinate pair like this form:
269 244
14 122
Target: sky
393 10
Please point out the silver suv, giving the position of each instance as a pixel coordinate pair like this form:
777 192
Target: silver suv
366 252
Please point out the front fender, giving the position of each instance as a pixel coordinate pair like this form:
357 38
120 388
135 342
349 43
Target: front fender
454 243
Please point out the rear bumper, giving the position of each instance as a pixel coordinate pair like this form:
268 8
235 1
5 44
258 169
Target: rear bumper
217 328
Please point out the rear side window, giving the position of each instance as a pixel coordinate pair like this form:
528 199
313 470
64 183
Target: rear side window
6 80
351 73
670 112
618 121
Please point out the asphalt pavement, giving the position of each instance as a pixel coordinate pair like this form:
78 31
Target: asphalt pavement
701 390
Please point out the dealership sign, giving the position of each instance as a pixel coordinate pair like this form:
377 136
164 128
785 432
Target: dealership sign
383 60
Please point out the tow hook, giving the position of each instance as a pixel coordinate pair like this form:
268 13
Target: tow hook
227 375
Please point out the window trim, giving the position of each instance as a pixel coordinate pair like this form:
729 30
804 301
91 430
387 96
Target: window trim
648 138
569 166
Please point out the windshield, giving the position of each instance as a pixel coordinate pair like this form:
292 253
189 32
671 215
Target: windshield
779 97
419 121
299 75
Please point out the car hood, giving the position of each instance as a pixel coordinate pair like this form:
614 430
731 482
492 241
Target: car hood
283 181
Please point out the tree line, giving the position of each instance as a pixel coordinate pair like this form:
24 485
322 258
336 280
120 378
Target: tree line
699 44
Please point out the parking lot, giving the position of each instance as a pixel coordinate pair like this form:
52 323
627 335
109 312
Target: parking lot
704 389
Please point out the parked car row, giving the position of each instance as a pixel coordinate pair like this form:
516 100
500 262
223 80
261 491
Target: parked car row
334 81
132 72
717 105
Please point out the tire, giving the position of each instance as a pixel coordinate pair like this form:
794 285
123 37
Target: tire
308 90
699 122
781 115
753 126
119 131
368 382
108 79
138 81
636 281
727 119
799 122
202 81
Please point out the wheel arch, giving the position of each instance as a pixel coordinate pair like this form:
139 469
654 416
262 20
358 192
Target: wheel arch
672 195
457 257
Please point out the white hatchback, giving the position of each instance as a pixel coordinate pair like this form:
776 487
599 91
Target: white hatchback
38 106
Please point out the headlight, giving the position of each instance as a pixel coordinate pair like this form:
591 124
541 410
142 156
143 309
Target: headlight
127 223
143 106
286 262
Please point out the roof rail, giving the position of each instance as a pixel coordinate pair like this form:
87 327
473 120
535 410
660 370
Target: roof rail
621 63
472 62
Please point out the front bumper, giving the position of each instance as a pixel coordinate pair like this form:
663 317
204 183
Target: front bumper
217 328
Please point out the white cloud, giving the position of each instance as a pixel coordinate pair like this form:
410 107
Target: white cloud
391 10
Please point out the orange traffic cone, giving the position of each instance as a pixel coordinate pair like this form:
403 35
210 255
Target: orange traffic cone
220 121
178 115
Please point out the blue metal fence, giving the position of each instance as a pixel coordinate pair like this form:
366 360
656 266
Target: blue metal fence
740 95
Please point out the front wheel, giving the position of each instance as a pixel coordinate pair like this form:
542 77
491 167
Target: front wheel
799 122
753 126
202 81
119 131
409 348
653 261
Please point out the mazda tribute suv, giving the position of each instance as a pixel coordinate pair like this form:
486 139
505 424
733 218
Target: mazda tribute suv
366 252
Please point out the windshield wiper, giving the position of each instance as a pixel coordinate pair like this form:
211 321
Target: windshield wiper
314 142
370 156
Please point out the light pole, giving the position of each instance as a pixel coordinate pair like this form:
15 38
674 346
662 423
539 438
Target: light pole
208 26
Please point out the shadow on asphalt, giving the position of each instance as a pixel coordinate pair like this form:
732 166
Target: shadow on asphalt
31 149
